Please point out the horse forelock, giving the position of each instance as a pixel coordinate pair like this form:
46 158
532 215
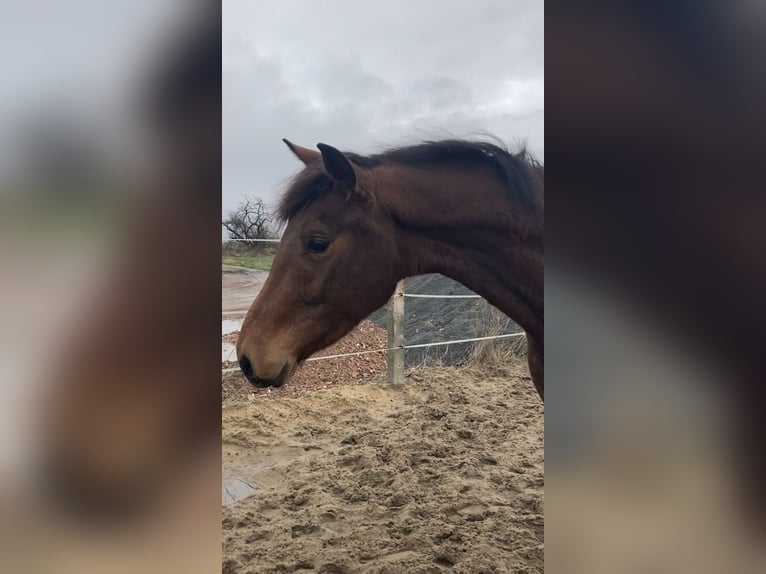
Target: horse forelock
305 188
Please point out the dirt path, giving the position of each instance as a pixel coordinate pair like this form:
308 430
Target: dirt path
443 475
239 286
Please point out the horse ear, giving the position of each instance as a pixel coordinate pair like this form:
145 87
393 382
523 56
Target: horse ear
304 154
337 166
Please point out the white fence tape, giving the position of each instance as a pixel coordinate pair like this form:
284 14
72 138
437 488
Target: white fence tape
405 347
261 240
424 296
421 345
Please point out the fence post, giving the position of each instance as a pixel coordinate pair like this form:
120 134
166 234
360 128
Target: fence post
395 328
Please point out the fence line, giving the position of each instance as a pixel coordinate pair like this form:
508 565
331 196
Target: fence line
458 341
426 296
400 348
262 240
394 326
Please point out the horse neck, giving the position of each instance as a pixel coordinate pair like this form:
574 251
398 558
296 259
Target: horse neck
470 227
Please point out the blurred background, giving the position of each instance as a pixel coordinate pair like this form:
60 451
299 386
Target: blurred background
109 246
654 282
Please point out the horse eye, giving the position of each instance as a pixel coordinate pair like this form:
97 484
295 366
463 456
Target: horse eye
317 246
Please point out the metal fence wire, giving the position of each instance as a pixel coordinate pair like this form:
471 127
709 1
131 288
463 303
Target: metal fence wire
398 317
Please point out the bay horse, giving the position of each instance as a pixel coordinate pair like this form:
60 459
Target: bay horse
356 225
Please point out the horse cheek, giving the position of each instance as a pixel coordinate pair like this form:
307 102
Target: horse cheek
312 285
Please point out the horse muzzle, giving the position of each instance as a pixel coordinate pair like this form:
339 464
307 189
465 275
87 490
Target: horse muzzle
247 370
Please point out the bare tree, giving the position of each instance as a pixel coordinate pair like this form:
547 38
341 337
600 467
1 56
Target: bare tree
251 220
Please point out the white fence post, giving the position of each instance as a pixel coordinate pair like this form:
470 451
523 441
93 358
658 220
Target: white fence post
395 327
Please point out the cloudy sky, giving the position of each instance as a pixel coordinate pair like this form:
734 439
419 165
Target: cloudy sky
364 76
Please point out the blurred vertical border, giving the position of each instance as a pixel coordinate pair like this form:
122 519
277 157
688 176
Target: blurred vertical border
655 274
110 171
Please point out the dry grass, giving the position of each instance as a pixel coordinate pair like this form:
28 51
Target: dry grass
495 352
253 256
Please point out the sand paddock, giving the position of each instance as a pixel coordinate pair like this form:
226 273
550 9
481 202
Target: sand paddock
442 475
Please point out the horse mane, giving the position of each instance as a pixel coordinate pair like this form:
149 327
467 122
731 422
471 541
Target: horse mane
520 171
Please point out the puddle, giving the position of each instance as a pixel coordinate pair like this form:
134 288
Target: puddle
230 325
236 489
240 474
228 352
238 480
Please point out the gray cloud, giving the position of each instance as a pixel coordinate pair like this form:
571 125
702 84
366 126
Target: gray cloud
364 77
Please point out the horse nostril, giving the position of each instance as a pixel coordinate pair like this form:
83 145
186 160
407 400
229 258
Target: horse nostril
247 368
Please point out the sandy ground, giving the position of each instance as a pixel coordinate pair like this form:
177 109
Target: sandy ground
239 286
442 475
